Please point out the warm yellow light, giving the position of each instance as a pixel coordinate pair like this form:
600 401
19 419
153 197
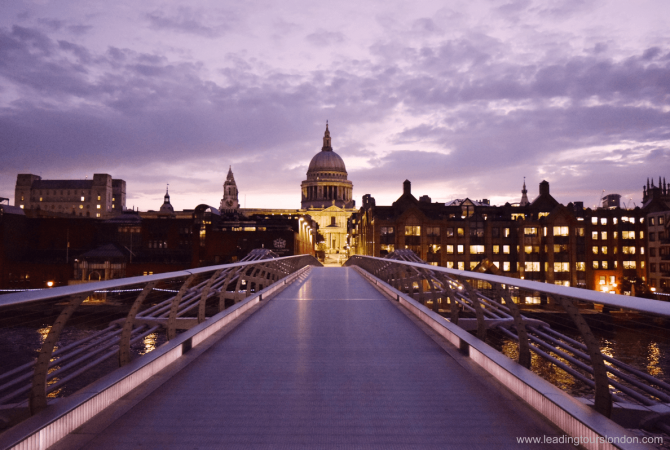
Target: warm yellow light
50 283
653 289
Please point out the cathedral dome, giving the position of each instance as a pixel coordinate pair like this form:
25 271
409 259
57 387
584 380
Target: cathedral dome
326 161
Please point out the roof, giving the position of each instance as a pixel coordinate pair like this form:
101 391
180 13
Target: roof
104 252
62 184
8 209
326 161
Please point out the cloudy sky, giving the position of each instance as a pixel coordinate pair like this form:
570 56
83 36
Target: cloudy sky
463 98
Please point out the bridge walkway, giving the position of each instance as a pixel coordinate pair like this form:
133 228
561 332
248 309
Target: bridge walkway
328 363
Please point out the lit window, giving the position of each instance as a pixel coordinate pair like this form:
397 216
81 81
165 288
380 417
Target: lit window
603 221
496 249
450 264
461 265
460 249
98 198
528 249
631 219
629 264
532 231
615 220
615 235
97 215
505 232
98 206
628 234
82 199
532 266
506 266
506 249
450 249
603 235
594 220
641 234
603 250
497 264
40 198
473 265
641 250
579 231
412 230
580 266
21 206
603 264
602 280
594 235
81 206
595 264
460 232
595 250
476 249
561 267
561 231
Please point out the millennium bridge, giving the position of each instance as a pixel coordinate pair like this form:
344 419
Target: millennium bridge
281 352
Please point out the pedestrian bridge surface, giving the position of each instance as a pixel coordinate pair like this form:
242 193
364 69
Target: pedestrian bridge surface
328 363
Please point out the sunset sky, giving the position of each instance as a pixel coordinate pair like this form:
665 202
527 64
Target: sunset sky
463 98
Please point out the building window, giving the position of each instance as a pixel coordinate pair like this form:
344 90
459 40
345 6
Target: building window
82 199
506 249
595 264
432 231
603 221
651 221
531 231
642 235
661 220
603 235
450 232
561 231
629 264
473 265
579 232
450 249
450 264
652 268
476 249
594 220
460 249
460 232
505 232
603 264
97 215
628 250
98 206
461 265
561 267
81 206
652 252
580 266
615 235
495 232
595 250
602 280
411 230
594 235
628 235
603 250
386 230
98 198
496 249
532 266
615 220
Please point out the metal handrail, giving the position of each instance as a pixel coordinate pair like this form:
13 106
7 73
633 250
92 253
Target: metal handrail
645 305
21 298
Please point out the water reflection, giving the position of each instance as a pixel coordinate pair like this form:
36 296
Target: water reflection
149 343
645 349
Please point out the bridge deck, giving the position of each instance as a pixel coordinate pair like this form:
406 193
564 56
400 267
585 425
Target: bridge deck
328 363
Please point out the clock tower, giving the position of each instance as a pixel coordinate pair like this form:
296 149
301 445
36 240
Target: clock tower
229 202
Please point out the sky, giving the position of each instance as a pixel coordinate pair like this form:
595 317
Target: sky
463 98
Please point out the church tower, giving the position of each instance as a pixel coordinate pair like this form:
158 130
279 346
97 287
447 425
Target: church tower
229 202
524 194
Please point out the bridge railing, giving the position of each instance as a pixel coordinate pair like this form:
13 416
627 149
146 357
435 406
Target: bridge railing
564 337
57 341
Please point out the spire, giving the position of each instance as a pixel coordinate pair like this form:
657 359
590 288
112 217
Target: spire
230 201
230 176
166 207
326 141
524 194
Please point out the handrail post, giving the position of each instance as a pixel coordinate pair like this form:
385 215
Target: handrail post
523 345
124 340
603 400
479 312
205 293
174 307
38 394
